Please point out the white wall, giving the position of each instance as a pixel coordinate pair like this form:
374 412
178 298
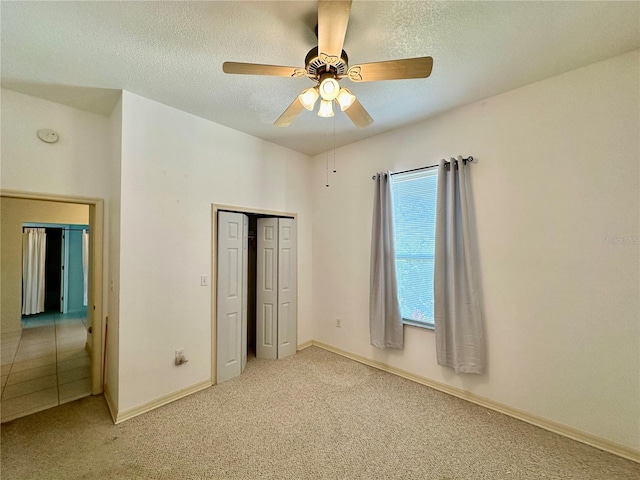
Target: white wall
558 175
77 165
174 167
113 253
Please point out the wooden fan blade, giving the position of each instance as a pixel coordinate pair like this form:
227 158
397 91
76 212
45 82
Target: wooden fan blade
392 70
290 114
333 18
358 115
259 69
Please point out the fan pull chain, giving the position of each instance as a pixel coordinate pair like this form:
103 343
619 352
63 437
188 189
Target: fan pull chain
327 170
334 145
327 165
327 133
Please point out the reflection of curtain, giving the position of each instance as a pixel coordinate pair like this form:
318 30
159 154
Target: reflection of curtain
34 242
459 330
385 321
85 265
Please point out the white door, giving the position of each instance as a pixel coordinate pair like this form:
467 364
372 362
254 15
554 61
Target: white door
267 289
287 334
230 294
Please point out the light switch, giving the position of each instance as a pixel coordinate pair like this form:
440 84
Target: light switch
204 281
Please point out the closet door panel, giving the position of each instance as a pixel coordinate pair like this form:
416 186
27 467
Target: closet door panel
267 289
230 293
287 287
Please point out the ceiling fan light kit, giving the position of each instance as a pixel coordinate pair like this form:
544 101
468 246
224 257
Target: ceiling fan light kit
325 110
309 97
329 88
345 98
327 64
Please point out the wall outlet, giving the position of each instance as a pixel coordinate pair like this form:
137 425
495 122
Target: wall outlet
204 280
180 358
338 322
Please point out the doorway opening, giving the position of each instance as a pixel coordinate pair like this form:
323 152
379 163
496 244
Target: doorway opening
73 332
254 288
252 272
66 269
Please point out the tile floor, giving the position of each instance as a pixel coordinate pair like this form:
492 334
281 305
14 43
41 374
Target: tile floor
45 365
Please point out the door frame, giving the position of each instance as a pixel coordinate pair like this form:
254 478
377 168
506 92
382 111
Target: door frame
215 207
96 249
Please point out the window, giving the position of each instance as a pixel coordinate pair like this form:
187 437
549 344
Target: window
414 213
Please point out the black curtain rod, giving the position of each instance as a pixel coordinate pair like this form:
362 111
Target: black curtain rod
464 160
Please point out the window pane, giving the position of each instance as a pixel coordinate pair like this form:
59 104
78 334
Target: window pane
415 289
414 208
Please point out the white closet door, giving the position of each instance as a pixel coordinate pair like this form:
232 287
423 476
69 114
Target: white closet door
267 289
287 279
245 289
230 294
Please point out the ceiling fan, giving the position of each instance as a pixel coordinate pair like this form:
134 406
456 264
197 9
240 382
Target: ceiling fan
327 64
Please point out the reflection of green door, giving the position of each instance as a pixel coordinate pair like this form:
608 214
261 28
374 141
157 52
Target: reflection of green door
75 290
53 267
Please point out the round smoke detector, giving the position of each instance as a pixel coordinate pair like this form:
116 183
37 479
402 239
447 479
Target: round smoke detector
47 135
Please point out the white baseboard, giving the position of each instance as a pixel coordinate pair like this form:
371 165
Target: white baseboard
113 411
304 345
564 430
158 402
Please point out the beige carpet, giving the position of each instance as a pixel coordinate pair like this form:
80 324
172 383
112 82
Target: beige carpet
314 415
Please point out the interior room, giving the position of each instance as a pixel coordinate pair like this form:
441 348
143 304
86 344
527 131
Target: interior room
156 116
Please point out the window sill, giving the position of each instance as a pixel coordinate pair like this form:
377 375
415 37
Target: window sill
411 323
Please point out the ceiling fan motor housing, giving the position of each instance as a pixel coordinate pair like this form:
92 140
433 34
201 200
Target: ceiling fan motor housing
316 65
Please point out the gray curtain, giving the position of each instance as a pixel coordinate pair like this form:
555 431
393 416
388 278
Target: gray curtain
385 321
458 321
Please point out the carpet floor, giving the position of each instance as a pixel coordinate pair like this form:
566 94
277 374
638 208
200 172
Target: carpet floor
314 415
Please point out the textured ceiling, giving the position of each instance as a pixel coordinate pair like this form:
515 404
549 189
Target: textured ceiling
82 53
